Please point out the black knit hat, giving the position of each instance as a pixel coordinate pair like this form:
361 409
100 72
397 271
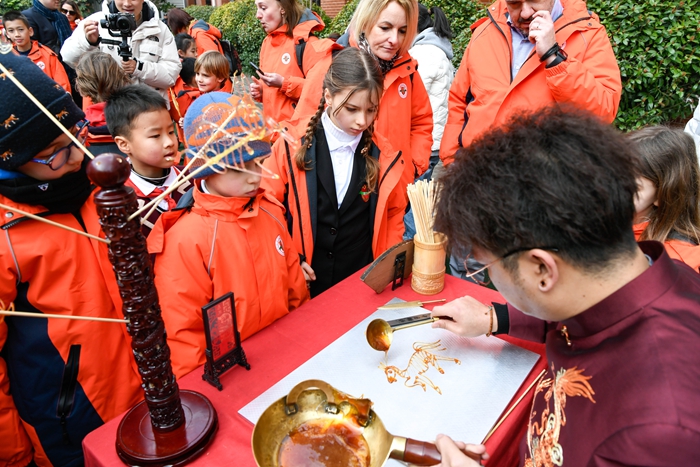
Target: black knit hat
25 130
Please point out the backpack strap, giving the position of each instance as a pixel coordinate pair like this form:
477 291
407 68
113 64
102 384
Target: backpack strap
299 51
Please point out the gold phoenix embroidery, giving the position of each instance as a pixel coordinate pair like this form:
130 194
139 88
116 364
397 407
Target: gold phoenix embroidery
543 437
418 364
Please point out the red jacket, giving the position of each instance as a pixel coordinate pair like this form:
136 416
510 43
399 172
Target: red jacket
48 61
676 249
45 269
484 95
391 203
405 116
278 55
222 245
206 36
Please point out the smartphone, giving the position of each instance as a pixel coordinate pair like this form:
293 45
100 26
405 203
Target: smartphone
257 68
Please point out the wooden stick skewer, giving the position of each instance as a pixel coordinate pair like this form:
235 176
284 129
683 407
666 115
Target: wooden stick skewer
512 407
49 315
55 224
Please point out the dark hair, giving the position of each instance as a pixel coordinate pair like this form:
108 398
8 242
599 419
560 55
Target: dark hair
14 15
187 72
441 25
75 6
178 20
293 12
667 158
353 69
127 103
559 177
183 41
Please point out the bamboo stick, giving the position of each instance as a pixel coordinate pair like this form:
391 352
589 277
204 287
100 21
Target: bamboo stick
55 224
49 315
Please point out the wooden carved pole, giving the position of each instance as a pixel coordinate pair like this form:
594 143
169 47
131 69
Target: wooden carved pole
173 435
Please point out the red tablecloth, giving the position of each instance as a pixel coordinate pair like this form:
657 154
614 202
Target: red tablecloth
280 348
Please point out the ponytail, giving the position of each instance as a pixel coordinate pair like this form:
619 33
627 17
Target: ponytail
441 25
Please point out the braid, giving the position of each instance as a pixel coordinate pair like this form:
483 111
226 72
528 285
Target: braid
372 164
300 157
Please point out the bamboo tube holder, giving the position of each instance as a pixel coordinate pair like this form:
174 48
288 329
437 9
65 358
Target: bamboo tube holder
428 276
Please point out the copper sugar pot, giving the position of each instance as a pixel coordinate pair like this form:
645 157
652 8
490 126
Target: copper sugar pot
316 400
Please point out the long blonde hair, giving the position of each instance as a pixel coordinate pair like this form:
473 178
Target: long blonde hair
355 69
367 14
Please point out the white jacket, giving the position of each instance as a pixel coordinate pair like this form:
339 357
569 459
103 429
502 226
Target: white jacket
152 44
433 54
693 128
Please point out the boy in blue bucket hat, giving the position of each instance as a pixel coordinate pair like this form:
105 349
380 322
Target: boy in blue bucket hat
228 236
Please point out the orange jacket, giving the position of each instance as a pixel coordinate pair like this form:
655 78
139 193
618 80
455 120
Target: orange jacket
44 269
206 36
484 95
222 245
676 249
391 202
181 96
405 116
278 55
48 61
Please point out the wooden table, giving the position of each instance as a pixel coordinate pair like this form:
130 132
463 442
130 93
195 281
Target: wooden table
281 347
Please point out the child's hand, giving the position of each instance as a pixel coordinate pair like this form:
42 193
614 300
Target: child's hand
309 273
272 79
256 89
181 122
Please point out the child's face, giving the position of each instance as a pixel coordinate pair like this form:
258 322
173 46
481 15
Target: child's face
191 52
152 144
207 82
236 184
269 13
645 199
356 115
43 172
19 34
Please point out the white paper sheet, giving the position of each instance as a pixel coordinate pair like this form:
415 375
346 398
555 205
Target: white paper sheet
474 393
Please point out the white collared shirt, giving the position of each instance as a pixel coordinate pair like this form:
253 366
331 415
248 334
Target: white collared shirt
147 187
342 147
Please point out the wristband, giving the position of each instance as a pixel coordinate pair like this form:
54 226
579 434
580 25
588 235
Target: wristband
552 50
96 43
488 334
561 56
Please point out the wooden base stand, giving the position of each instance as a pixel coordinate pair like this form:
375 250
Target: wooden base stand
139 445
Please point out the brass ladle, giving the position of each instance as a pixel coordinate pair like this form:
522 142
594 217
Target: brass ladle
380 333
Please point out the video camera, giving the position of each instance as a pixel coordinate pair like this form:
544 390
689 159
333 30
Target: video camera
119 25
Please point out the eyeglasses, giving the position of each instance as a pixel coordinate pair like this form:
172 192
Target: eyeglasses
59 158
67 12
509 253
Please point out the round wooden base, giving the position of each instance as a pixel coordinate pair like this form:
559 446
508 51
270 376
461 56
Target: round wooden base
138 444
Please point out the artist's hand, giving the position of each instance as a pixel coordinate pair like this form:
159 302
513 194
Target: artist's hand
459 454
542 32
309 273
92 31
272 79
256 89
128 66
470 317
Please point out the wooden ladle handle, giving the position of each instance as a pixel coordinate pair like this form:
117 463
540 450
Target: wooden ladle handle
421 453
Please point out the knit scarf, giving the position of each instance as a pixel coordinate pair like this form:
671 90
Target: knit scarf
61 196
59 21
385 65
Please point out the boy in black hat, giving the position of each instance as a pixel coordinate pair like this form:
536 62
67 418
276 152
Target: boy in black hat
59 378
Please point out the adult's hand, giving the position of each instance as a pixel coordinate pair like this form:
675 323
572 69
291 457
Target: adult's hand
309 273
128 66
273 80
256 89
542 33
92 31
470 317
459 454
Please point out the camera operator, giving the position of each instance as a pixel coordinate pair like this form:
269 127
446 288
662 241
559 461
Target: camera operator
152 58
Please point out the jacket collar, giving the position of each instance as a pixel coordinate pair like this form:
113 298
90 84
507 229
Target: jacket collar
226 209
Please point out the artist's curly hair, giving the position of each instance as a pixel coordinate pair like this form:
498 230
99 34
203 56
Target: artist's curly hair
355 70
559 177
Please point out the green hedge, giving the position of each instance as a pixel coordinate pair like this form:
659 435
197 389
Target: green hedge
342 19
200 11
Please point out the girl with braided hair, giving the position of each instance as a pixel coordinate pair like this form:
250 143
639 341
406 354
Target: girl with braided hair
342 185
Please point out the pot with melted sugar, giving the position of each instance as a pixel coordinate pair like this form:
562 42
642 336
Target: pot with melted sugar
323 443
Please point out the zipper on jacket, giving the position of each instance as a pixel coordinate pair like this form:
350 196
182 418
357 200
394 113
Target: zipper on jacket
296 198
68 385
510 46
388 169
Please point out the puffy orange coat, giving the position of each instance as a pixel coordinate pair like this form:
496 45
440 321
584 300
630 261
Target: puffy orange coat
484 95
292 186
405 116
49 367
206 36
222 245
676 249
48 61
278 55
